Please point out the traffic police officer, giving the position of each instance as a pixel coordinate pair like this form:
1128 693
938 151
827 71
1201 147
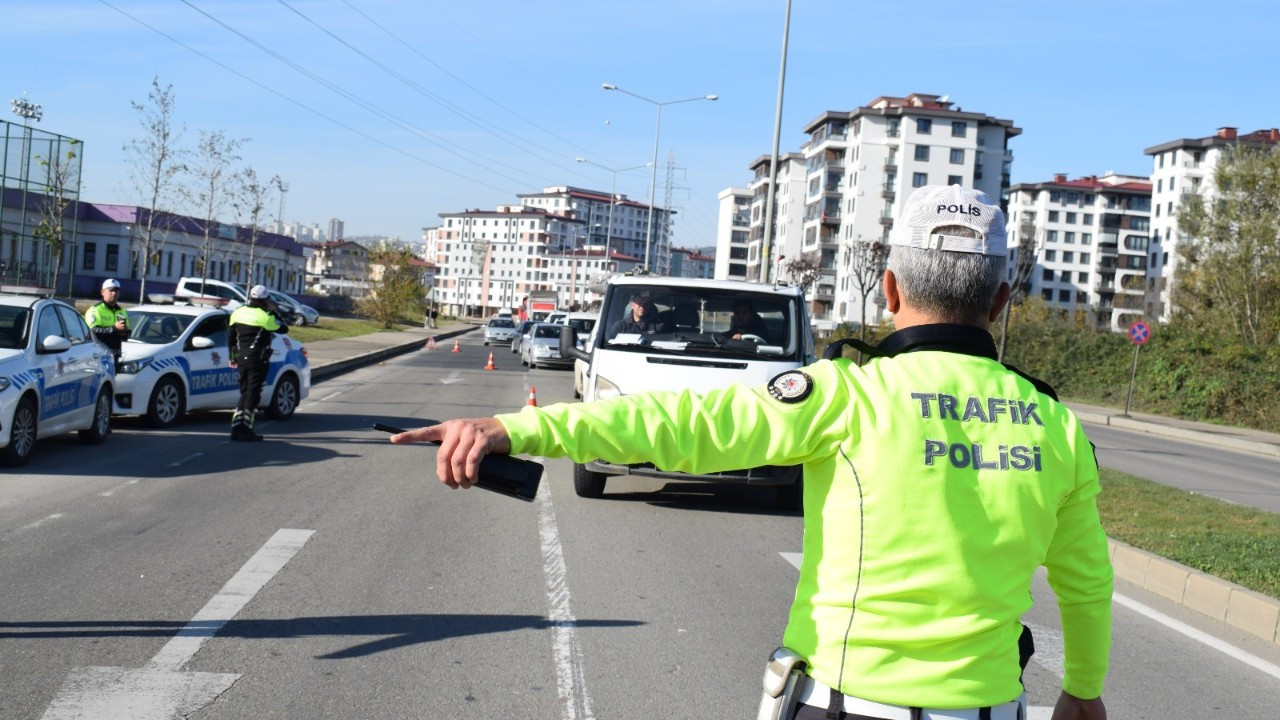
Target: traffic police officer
109 321
936 482
249 339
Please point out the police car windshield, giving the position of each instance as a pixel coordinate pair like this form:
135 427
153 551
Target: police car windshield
702 321
13 327
155 328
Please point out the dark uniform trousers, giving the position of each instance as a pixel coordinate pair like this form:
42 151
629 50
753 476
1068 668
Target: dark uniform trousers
253 375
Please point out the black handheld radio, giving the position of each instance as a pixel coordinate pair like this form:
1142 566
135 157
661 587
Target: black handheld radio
502 474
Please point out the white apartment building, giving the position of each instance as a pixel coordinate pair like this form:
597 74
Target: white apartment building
337 230
861 164
788 214
487 259
1181 168
733 229
1090 237
616 221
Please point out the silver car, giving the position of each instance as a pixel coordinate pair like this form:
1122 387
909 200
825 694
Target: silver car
499 330
542 347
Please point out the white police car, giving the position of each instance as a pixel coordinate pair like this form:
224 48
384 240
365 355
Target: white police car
55 377
176 359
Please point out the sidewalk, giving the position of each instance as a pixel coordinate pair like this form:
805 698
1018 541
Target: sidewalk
1252 612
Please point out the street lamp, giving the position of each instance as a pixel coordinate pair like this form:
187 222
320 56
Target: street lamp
613 190
653 176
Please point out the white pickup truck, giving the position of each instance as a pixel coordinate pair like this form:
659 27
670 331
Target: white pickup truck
690 345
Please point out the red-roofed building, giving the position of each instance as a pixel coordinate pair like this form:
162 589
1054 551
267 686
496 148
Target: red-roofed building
1090 237
622 225
1181 168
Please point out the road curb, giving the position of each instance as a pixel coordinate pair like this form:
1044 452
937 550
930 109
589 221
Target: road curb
1204 437
1238 607
334 369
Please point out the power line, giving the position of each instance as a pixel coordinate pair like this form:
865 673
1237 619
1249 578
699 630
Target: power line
490 127
313 111
352 97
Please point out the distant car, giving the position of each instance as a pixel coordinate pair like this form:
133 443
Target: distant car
582 323
176 359
556 316
499 330
210 292
522 332
55 376
310 315
297 313
542 347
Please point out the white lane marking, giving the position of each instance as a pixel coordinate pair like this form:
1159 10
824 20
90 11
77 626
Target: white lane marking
331 396
116 489
1202 637
1034 712
570 680
233 596
453 377
41 521
186 459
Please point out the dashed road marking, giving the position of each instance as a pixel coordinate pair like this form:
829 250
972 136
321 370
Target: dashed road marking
42 521
118 488
570 679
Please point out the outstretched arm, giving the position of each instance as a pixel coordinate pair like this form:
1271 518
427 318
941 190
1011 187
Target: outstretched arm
463 443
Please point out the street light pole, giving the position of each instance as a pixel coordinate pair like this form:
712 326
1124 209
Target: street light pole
653 176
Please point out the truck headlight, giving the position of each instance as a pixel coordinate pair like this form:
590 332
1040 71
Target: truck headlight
133 367
606 390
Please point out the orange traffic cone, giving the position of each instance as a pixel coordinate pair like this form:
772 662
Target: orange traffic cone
490 366
456 346
430 344
533 397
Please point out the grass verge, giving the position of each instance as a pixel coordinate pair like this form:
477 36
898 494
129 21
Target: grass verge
331 328
1238 544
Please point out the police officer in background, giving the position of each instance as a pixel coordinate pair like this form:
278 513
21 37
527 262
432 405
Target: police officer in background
249 339
109 321
936 481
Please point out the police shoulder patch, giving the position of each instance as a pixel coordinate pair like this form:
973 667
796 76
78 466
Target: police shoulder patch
791 386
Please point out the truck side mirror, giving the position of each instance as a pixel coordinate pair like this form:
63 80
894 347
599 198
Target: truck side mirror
569 345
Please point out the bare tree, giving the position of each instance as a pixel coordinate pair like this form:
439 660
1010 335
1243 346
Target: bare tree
865 260
156 161
1028 250
251 207
804 271
62 189
214 185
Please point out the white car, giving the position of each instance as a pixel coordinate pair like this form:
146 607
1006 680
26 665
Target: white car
176 359
499 330
55 377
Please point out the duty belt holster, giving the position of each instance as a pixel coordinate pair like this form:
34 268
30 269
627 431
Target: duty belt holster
782 677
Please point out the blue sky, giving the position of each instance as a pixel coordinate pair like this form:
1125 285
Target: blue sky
464 104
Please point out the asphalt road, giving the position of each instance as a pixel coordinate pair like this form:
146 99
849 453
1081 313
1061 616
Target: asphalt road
153 570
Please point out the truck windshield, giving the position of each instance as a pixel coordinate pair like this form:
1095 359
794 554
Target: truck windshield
701 321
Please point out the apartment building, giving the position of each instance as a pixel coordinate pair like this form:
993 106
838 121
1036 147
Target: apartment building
788 214
733 229
691 263
862 163
1181 168
616 221
338 267
487 259
1090 238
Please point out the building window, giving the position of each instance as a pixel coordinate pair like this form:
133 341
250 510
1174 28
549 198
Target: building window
919 179
1069 237
1051 236
1048 274
922 152
1073 198
1082 297
113 258
1082 277
1064 296
1047 295
90 255
1088 219
924 126
958 128
1086 238
955 180
1088 199
1071 218
1053 216
1050 256
957 156
1084 258
1068 256
1055 196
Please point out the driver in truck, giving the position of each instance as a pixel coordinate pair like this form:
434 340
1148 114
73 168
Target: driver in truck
745 322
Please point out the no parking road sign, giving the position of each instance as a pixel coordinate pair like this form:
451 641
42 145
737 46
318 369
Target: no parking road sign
1139 332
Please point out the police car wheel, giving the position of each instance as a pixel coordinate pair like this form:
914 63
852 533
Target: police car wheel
22 435
96 433
167 405
586 483
285 398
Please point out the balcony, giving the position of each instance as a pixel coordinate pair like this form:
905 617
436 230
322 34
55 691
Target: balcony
892 132
830 218
891 166
888 192
886 219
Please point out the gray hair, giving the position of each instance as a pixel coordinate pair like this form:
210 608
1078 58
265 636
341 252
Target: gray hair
954 286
